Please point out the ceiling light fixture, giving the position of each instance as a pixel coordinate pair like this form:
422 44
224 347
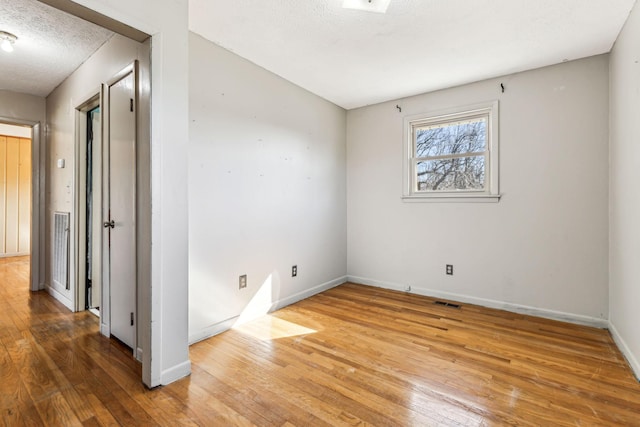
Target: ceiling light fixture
377 6
7 40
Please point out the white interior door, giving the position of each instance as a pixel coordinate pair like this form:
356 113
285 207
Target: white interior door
120 221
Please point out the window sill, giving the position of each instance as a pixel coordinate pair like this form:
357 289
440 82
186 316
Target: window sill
453 198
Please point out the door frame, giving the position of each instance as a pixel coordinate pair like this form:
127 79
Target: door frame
37 217
78 249
163 319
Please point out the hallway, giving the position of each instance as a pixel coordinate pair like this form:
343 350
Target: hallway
54 365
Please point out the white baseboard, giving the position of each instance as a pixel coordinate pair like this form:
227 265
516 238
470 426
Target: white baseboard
227 324
212 330
138 354
176 372
624 349
60 297
307 293
105 330
501 305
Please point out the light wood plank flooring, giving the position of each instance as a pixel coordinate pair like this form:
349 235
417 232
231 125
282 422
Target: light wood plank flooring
354 355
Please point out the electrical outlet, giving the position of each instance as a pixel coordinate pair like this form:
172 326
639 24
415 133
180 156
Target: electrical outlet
242 283
450 269
294 271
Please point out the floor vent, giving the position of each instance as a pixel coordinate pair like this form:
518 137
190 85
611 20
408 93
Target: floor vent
447 304
61 249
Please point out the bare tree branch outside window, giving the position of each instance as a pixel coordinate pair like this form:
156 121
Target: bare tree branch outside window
451 156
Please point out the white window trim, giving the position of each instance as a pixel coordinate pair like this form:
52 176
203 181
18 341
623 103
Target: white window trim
490 194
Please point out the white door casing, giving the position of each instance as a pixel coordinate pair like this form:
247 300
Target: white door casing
96 226
81 227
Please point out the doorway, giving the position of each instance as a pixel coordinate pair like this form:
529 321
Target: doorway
89 131
15 190
162 312
92 259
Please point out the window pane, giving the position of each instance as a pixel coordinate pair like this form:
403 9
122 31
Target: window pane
461 173
467 136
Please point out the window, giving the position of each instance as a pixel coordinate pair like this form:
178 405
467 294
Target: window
452 154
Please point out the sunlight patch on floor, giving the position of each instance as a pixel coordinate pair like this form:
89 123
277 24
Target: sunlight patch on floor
269 327
256 322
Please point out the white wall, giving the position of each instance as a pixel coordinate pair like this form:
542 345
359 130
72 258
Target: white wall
17 131
543 248
21 106
267 190
624 199
30 110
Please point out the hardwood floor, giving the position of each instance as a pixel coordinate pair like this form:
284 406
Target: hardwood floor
354 355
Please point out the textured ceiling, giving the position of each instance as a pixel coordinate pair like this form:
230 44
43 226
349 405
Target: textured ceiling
349 57
355 58
51 45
